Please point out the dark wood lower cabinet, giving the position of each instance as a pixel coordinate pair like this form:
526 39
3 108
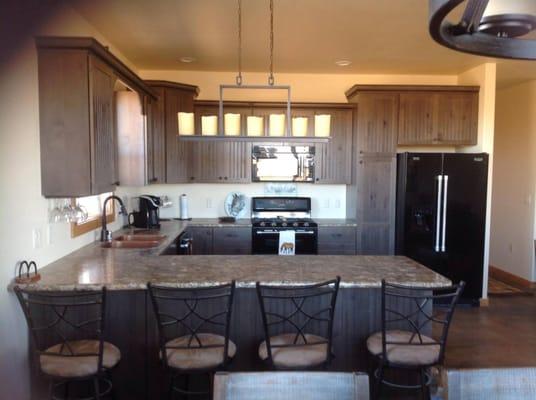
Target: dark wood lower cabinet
335 240
230 240
131 326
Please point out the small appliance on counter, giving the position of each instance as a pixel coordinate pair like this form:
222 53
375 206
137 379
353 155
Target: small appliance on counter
148 215
272 215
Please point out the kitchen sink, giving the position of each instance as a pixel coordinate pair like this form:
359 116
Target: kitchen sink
137 240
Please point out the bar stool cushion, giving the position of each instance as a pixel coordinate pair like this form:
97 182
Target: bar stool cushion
299 356
197 357
410 351
64 365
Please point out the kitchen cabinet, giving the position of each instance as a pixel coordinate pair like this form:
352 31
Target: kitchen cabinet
202 240
333 160
76 78
232 240
220 162
337 240
438 118
156 138
375 204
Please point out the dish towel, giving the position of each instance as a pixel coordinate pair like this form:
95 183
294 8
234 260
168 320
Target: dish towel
287 243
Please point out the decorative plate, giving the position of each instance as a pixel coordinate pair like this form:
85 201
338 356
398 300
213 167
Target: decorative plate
235 204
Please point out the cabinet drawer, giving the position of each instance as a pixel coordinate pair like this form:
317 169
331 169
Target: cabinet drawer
337 240
232 240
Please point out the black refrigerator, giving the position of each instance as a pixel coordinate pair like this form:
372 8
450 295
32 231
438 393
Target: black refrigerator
441 215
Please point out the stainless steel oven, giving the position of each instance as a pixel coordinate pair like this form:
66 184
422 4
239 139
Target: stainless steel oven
271 163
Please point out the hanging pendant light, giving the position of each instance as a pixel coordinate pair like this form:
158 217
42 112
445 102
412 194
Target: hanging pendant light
494 28
252 123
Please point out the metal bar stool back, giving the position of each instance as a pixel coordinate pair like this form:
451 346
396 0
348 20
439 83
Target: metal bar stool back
193 328
67 331
413 332
298 324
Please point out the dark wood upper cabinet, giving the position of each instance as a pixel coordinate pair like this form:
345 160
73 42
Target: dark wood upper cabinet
377 122
417 119
156 138
171 157
220 162
333 160
76 115
438 118
458 117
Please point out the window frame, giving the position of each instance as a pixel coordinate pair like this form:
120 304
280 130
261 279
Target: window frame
92 223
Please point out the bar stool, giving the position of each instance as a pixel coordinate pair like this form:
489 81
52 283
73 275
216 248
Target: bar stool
298 322
67 331
405 340
193 328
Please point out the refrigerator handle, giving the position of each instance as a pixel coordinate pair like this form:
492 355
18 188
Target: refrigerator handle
445 193
438 212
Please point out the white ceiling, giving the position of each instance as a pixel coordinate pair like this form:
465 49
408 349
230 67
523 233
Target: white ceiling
378 36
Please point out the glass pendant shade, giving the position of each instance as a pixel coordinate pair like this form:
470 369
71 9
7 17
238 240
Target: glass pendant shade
500 7
299 126
277 125
209 125
255 126
232 124
322 125
186 123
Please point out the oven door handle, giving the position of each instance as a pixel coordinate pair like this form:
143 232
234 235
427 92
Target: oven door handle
276 232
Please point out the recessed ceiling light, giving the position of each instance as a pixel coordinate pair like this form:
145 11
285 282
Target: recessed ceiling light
187 59
343 63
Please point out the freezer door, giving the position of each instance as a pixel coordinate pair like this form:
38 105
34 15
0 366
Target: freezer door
465 219
418 203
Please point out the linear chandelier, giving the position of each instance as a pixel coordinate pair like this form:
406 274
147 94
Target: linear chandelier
495 28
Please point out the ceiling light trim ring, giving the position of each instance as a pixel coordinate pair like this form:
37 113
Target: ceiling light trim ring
451 36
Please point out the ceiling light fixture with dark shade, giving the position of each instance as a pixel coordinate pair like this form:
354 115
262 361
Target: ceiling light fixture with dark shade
494 28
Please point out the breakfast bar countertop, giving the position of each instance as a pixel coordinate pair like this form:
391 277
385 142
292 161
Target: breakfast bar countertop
130 269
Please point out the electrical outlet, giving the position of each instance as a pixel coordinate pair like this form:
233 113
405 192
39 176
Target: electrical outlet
48 235
510 248
37 238
209 203
326 203
337 203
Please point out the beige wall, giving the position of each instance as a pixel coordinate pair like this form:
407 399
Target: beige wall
485 76
514 181
22 208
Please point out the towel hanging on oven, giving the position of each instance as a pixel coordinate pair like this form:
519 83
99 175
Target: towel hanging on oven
287 243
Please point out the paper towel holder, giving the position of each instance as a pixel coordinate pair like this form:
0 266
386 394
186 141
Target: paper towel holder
183 208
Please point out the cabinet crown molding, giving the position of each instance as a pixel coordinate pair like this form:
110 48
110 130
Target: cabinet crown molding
173 85
356 89
92 45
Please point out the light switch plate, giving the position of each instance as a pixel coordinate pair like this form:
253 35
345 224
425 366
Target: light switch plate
37 238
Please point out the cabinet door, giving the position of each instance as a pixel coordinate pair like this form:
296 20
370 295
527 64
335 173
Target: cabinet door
237 162
376 196
232 240
416 119
207 164
339 240
156 138
202 240
333 160
103 145
377 123
458 117
177 151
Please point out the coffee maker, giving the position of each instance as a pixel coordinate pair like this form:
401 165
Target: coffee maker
148 215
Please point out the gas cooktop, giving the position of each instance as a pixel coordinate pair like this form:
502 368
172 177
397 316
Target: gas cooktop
282 222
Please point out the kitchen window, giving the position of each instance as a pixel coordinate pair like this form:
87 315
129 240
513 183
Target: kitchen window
93 206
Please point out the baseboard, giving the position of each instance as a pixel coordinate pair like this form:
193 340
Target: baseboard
510 279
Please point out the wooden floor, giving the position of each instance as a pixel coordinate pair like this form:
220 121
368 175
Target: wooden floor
500 335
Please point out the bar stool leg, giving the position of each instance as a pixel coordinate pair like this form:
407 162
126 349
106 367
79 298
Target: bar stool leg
66 391
424 388
170 388
96 388
379 379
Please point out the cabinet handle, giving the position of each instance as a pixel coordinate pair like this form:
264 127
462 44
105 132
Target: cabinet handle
220 178
225 178
116 183
153 180
192 178
317 179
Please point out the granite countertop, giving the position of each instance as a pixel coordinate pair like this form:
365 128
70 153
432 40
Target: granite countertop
246 222
129 269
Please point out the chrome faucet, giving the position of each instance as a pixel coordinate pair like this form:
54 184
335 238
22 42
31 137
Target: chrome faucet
106 235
